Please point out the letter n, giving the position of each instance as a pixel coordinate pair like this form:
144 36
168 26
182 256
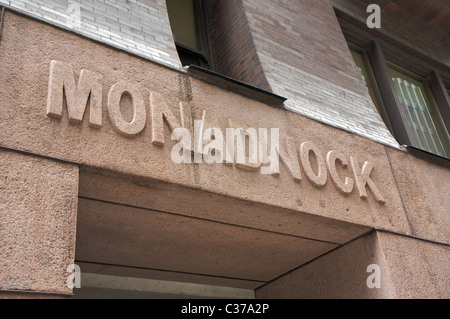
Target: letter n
62 85
161 111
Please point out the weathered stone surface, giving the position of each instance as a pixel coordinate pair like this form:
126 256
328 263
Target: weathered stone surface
425 192
418 269
331 186
28 127
341 273
114 234
38 205
407 268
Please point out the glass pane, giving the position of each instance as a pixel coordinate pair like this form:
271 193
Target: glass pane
421 113
183 22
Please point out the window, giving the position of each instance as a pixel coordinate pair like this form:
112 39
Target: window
406 104
366 73
188 21
408 89
422 115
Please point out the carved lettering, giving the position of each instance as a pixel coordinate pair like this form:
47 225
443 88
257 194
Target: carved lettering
242 160
242 146
160 111
181 151
363 179
229 146
137 124
374 19
273 158
210 125
345 186
289 158
213 150
320 178
62 85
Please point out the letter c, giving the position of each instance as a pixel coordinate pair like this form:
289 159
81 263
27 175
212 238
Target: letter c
345 187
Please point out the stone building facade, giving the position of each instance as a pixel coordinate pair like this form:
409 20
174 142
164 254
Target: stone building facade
120 161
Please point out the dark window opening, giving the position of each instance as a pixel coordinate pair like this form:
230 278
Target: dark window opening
189 23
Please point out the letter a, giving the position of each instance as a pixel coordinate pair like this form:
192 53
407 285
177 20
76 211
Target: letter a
373 20
74 279
374 280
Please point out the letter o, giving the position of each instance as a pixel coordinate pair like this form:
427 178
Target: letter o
321 178
137 124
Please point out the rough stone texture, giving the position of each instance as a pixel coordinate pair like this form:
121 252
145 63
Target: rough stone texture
409 268
418 269
187 216
303 196
341 273
31 295
196 203
114 234
28 46
37 222
102 147
425 192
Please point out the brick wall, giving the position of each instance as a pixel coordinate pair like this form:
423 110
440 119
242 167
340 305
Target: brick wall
292 48
306 59
233 50
137 26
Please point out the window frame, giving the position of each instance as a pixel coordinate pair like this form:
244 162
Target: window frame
425 112
204 55
379 103
379 51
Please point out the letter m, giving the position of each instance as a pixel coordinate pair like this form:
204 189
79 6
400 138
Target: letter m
62 85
